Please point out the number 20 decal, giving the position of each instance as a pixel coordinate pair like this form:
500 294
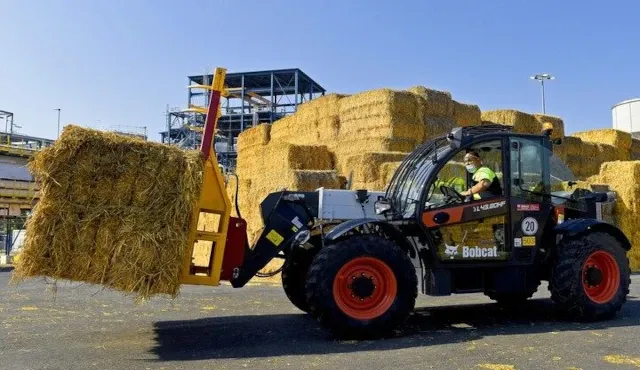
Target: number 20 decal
529 226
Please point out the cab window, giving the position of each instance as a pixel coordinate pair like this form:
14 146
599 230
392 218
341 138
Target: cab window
527 170
455 176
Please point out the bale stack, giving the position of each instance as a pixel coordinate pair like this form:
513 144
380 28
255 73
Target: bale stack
614 144
622 177
118 218
368 169
521 122
268 167
316 121
378 121
635 149
557 122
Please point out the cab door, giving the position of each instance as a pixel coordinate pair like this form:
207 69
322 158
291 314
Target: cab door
530 187
468 231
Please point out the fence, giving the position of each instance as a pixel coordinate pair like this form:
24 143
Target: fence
11 232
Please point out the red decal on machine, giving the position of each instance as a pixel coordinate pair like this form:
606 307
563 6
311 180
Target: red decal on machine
528 207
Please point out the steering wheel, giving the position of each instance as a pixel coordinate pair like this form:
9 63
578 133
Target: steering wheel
451 193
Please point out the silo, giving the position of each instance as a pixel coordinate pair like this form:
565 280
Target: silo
626 116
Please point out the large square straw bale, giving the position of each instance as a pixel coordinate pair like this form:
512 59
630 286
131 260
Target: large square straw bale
616 138
284 156
282 128
387 170
622 177
360 145
401 106
434 103
635 149
328 130
259 135
321 107
113 211
438 126
382 128
521 122
557 122
366 167
466 114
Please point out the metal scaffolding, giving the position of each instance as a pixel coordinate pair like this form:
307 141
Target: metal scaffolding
254 98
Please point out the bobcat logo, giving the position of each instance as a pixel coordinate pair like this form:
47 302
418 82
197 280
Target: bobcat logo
451 250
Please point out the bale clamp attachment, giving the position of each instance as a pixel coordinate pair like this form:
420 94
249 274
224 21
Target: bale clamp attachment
213 203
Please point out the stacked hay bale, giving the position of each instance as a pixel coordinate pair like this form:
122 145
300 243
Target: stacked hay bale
523 122
622 177
266 166
316 121
113 210
612 144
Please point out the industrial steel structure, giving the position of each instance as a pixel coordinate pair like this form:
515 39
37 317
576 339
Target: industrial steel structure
252 98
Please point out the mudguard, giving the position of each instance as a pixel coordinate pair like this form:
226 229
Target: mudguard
580 225
396 235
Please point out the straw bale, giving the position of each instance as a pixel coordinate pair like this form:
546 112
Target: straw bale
466 114
328 129
366 166
114 210
255 135
434 103
321 107
282 128
382 128
387 169
570 146
358 146
438 126
557 122
623 177
635 149
616 138
401 106
521 122
284 156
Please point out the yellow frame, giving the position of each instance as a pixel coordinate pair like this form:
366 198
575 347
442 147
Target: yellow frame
213 199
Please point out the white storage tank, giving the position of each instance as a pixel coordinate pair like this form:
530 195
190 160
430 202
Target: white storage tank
626 115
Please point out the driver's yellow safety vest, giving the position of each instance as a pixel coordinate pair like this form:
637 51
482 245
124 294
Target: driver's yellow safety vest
457 183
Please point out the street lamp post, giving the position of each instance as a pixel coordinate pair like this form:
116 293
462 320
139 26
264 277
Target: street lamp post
541 78
58 135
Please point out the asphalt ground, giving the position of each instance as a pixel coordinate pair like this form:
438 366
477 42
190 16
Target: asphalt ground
86 327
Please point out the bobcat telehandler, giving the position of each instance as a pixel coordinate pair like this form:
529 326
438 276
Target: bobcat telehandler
355 260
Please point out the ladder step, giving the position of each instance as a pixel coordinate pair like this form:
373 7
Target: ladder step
203 235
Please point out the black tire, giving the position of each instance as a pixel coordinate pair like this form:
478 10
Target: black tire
294 274
324 304
567 278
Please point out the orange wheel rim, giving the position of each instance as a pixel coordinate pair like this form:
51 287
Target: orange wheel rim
600 277
365 288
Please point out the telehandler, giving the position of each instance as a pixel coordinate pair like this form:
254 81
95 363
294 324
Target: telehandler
356 259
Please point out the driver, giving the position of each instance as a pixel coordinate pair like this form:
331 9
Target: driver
485 182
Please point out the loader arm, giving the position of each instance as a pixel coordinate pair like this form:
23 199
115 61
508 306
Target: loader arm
217 247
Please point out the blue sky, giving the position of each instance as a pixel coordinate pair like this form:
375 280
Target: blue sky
120 62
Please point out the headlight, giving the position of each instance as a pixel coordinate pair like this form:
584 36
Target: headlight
381 207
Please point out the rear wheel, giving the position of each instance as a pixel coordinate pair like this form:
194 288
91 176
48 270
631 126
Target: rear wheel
591 277
363 286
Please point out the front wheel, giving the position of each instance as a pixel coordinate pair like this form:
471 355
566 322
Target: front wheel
591 276
363 286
